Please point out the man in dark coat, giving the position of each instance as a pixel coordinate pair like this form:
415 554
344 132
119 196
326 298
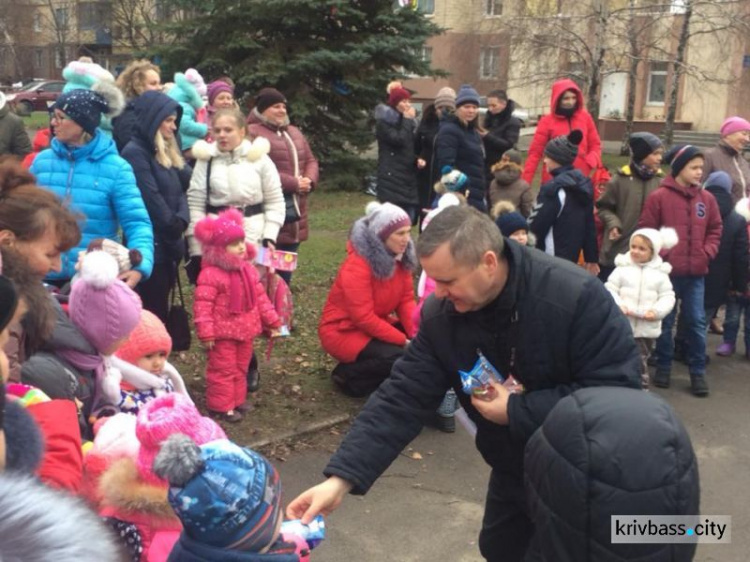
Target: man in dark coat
604 452
502 128
548 323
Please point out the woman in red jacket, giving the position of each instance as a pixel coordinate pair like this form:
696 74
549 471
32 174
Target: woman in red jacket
367 318
567 112
294 160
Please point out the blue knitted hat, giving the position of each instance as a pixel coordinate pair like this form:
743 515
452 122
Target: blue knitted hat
467 94
508 223
85 107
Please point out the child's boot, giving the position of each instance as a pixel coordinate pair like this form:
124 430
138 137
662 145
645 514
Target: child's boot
661 378
725 349
698 385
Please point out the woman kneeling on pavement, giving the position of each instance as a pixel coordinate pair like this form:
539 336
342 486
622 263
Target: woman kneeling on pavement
367 320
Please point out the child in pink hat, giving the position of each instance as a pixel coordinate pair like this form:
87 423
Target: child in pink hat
231 309
147 372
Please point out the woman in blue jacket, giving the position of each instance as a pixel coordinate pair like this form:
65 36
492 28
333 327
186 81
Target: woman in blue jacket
163 178
82 167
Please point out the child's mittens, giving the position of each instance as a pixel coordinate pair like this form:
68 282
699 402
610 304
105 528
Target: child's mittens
110 384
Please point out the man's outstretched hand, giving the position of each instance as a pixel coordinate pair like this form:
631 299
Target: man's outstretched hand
323 498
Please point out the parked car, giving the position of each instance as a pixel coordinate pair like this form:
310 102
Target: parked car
35 96
520 113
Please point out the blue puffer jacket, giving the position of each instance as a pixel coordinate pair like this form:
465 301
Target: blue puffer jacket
460 147
163 189
101 186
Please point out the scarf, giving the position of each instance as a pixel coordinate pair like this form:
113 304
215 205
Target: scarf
641 170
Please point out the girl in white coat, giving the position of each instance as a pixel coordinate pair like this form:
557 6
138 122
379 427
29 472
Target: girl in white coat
234 172
641 287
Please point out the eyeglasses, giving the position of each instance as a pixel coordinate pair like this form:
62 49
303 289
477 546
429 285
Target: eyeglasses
59 117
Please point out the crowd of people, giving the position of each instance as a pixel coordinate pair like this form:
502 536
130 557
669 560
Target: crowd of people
140 177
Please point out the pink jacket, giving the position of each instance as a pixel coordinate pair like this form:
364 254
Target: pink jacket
230 302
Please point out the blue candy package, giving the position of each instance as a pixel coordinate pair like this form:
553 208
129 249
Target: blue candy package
477 380
313 533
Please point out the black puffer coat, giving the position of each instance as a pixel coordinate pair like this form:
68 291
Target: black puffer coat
567 333
397 163
728 270
163 189
424 145
503 131
460 147
604 452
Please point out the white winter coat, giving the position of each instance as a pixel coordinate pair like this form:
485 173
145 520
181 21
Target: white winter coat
640 288
242 177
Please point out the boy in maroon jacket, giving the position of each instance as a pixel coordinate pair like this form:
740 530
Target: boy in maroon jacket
680 202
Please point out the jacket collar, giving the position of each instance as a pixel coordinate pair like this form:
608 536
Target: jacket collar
256 117
365 243
97 148
689 192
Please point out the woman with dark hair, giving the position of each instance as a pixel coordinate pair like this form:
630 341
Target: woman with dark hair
458 146
502 129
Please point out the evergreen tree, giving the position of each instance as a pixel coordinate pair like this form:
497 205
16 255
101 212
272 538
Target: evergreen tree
331 58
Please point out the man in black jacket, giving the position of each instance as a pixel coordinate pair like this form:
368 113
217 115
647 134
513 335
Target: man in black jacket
546 322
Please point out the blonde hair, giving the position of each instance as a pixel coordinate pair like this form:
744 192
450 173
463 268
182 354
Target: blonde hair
168 152
132 80
237 116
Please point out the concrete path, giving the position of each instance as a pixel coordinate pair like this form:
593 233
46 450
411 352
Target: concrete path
431 508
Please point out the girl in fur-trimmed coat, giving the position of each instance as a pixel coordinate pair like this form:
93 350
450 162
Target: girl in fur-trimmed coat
368 317
642 289
231 309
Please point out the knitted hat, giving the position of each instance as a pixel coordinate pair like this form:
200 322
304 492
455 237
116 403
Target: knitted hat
453 180
679 155
734 124
126 259
467 94
445 98
662 239
215 88
508 223
222 230
195 78
719 179
85 107
8 301
226 496
642 144
150 336
385 219
164 416
513 155
397 95
564 149
102 307
268 97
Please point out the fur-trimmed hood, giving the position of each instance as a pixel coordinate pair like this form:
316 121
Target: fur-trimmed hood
123 491
250 150
507 172
384 112
218 256
256 117
373 250
623 260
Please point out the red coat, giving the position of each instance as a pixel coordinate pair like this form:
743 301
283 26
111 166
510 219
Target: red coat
553 125
41 142
285 141
214 295
694 214
361 307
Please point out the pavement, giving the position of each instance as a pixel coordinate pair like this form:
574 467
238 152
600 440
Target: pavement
429 504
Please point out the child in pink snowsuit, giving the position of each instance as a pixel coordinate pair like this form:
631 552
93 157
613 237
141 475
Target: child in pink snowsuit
231 309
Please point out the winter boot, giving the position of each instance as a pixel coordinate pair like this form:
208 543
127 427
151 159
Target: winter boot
253 376
698 385
445 418
725 349
661 378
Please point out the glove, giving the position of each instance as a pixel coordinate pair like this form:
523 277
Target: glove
193 268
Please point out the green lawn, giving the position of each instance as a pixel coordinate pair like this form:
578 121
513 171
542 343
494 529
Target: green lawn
36 120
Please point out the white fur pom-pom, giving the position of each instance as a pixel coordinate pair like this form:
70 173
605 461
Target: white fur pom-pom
114 96
743 208
371 207
669 237
99 269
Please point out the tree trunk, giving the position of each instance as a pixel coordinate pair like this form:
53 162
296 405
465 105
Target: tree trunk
632 80
677 70
592 103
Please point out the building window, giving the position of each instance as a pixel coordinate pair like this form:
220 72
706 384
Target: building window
657 83
426 6
489 63
38 58
426 55
58 59
61 18
37 22
493 8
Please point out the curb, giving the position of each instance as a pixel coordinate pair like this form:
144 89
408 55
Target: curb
300 430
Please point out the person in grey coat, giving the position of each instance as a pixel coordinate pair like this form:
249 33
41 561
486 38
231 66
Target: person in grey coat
13 137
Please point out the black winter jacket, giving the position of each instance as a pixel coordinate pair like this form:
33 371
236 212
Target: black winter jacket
573 224
397 164
565 329
503 131
460 147
424 145
123 126
728 270
604 452
163 189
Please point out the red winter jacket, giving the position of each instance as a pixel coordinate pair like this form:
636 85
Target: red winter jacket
286 142
553 125
214 295
362 306
694 214
41 142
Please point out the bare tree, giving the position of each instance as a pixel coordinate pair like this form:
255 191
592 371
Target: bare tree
139 24
16 22
61 21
